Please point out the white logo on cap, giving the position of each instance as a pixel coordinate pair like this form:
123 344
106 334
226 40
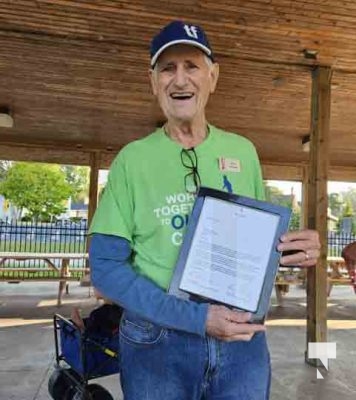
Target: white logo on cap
191 31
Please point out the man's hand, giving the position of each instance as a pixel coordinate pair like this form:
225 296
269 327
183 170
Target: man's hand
228 325
306 247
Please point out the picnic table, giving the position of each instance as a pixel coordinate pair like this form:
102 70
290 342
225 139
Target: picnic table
53 271
337 275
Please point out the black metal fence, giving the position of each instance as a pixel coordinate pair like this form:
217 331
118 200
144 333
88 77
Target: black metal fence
71 237
57 237
337 241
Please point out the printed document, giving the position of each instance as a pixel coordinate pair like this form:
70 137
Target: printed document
229 253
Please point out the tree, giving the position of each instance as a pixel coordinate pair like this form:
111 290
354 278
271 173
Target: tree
78 178
294 223
347 224
335 204
276 196
40 188
349 196
348 209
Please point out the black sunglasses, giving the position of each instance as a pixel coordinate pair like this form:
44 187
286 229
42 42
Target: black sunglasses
192 179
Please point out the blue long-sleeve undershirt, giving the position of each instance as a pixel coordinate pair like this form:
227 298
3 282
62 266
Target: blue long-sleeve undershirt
113 275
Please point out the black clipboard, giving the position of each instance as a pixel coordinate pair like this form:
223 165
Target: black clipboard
194 280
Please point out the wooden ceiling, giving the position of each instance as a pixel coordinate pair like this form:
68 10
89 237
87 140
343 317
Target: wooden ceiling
74 73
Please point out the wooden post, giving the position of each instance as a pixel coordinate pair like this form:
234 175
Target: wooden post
304 212
317 204
93 184
304 216
93 199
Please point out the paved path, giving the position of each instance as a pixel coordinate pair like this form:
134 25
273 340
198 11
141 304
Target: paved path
27 349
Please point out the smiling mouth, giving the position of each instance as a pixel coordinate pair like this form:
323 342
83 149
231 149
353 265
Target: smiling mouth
182 96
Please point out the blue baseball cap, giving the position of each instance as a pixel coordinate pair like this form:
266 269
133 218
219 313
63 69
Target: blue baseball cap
179 32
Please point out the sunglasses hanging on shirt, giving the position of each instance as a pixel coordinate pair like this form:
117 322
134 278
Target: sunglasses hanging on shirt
192 181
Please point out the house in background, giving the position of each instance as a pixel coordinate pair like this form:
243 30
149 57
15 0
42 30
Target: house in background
78 210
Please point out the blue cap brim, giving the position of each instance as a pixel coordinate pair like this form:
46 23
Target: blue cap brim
200 46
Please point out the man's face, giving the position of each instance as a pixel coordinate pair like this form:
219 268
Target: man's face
182 81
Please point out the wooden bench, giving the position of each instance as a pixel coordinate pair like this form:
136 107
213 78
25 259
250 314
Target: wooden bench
286 276
337 273
61 273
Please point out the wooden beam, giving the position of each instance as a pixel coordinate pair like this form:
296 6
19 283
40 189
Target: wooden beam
283 172
342 174
58 155
298 172
106 159
56 143
318 203
43 154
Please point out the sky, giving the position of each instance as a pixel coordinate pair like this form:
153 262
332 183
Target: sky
103 176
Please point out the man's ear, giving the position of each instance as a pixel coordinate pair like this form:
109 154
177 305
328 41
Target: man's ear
151 74
214 76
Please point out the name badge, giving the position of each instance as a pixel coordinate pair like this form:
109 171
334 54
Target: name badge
229 164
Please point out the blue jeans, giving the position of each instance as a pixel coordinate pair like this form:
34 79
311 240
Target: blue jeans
165 364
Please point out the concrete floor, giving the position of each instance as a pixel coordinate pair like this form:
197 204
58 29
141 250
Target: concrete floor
27 347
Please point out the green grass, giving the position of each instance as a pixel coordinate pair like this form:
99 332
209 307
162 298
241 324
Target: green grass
45 275
40 247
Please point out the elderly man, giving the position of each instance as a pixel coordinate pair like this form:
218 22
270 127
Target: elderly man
171 348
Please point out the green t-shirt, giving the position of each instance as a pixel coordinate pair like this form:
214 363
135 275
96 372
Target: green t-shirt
145 200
